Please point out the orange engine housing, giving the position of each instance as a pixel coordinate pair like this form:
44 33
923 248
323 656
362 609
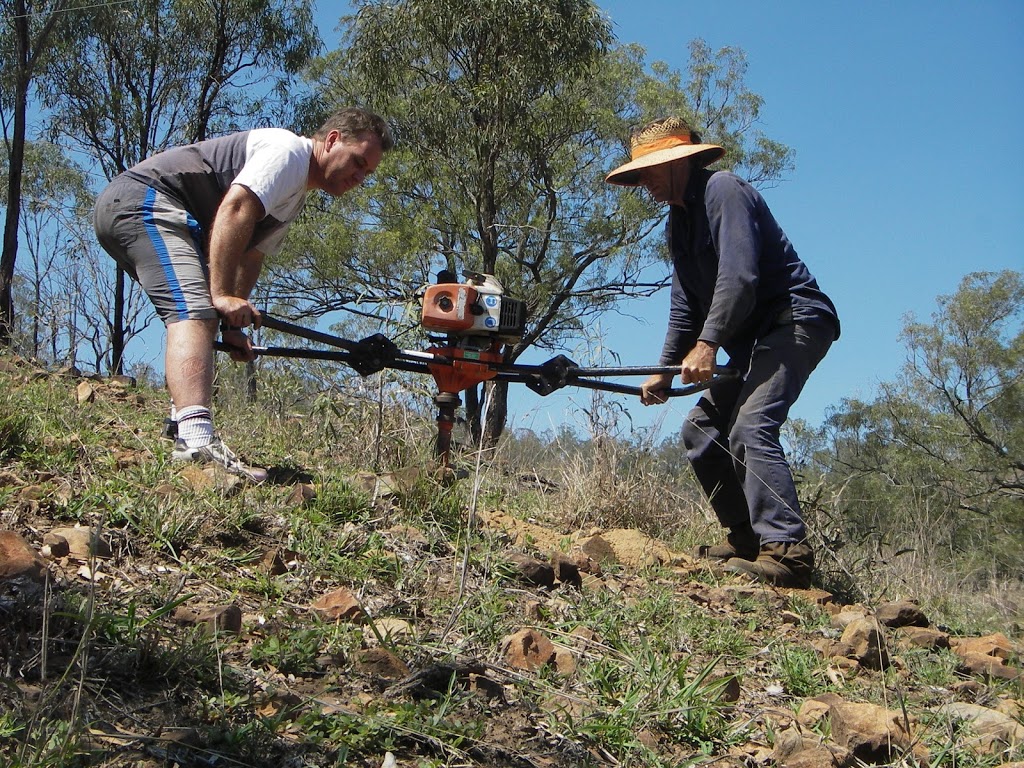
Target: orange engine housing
449 307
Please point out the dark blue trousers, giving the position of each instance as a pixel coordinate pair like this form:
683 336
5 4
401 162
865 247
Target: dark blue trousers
732 434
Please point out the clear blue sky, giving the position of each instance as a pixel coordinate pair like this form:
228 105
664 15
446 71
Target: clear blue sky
906 119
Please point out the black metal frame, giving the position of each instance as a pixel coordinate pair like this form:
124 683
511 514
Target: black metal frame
377 352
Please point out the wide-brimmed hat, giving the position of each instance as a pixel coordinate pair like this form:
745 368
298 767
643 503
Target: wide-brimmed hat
662 142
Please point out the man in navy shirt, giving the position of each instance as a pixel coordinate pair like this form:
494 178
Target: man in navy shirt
739 286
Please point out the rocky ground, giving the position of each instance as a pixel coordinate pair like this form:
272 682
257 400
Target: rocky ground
494 641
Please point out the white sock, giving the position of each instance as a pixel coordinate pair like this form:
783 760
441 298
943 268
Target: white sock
195 426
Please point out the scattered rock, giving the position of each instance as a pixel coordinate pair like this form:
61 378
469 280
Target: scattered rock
85 393
997 645
924 637
340 605
211 478
987 667
221 618
382 663
564 661
901 614
566 570
80 543
278 561
727 687
302 494
531 571
527 649
863 640
389 628
994 730
871 734
19 559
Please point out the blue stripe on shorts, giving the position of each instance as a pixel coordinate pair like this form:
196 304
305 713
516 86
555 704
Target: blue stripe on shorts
161 251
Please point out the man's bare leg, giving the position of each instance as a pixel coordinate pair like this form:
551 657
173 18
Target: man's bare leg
188 362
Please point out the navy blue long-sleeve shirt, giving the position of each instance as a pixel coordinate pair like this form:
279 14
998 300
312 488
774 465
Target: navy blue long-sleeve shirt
734 270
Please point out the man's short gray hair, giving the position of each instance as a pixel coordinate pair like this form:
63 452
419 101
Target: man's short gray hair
352 122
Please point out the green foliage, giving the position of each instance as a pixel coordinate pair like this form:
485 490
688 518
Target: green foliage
933 468
508 115
120 87
293 653
14 425
799 670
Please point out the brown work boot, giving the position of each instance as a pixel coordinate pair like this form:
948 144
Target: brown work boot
740 542
782 563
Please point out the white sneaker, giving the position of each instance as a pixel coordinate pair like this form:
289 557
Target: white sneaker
217 453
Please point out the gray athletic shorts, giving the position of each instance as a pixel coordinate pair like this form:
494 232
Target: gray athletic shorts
159 244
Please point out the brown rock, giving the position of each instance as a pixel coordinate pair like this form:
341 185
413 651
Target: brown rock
485 687
812 712
988 667
82 543
727 688
820 756
17 558
818 597
381 662
585 563
997 645
788 743
598 550
273 563
863 641
566 570
184 616
901 614
340 605
527 649
872 734
302 494
85 393
564 661
925 637
221 618
585 637
844 618
531 571
994 730
390 628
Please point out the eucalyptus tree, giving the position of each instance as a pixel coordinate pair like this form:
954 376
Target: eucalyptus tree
942 446
507 113
54 230
27 32
139 79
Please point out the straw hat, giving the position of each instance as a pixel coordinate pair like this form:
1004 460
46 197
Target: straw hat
662 142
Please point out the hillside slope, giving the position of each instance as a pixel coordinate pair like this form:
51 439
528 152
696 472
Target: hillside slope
154 615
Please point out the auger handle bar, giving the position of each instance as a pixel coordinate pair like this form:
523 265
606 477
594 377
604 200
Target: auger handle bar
377 352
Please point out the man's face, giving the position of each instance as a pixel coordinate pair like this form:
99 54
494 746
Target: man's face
347 162
667 182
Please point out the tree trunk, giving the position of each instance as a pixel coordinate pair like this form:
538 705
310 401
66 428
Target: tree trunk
117 329
492 397
16 158
496 413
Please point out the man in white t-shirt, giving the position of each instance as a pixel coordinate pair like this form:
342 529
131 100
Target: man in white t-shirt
193 224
